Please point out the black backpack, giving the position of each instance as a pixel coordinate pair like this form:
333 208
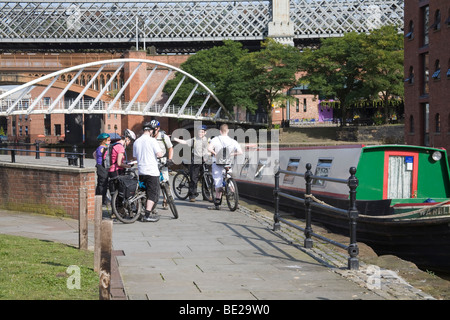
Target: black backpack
128 185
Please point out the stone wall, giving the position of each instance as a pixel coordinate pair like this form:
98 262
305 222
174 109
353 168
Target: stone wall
392 134
46 190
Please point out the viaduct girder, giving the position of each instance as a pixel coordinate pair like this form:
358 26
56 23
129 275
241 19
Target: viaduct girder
130 22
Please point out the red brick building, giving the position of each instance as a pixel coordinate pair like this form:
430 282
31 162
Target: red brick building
427 72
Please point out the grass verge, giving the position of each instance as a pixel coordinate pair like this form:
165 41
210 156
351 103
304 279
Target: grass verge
32 269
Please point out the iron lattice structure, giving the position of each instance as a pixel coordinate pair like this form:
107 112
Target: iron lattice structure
123 21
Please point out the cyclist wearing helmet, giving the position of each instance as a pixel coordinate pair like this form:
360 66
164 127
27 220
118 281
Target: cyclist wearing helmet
222 147
102 174
146 150
119 157
199 154
166 146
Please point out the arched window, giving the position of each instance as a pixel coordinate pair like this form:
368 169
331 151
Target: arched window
102 82
108 77
411 124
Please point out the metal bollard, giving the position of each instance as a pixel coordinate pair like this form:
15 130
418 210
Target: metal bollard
73 158
38 156
308 229
276 217
353 250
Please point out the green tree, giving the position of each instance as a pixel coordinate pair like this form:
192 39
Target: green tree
218 68
336 70
268 73
383 79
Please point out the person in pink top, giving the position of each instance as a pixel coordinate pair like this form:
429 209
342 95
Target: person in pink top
119 158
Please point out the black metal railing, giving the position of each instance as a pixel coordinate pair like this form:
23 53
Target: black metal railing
352 212
72 157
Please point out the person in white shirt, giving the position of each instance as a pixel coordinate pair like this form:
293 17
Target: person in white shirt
223 148
146 150
167 147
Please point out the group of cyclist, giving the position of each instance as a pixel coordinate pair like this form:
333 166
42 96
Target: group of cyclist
118 161
153 144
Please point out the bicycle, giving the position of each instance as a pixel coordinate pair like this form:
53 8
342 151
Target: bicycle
128 210
229 188
182 180
167 191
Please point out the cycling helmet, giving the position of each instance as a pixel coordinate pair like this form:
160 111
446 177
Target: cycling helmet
154 124
102 136
201 128
130 134
150 125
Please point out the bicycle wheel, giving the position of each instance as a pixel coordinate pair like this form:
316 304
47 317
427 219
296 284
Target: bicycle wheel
208 187
231 194
180 185
125 211
167 194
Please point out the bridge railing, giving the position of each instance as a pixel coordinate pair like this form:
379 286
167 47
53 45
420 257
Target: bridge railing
308 202
85 106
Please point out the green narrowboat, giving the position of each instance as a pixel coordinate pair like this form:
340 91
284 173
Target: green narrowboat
403 195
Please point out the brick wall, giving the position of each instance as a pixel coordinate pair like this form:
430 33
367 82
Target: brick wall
46 190
438 95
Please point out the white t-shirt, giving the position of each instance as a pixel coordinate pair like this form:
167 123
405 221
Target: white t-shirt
220 142
145 149
164 143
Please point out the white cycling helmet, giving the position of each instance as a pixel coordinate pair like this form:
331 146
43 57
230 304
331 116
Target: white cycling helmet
130 134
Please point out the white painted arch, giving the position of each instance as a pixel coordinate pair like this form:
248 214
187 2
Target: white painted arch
10 105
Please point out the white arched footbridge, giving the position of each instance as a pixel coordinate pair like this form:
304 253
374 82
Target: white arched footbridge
126 98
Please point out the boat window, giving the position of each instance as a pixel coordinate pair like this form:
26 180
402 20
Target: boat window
262 163
291 166
400 177
244 169
322 170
